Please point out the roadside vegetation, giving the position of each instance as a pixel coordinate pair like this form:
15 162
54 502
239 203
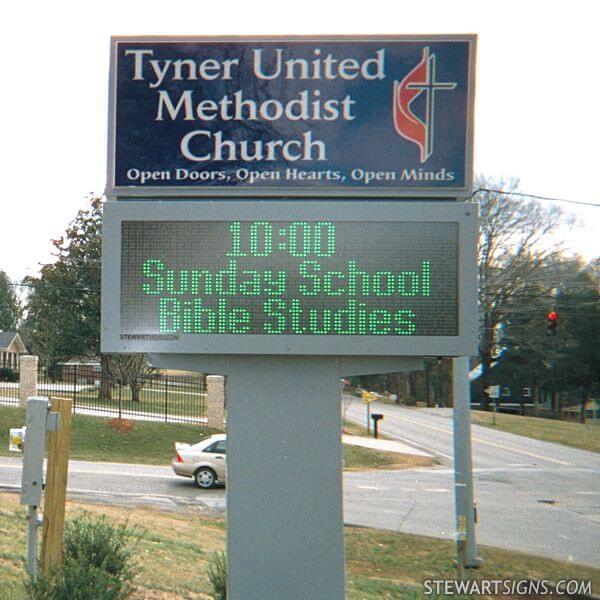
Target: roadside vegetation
177 550
357 458
153 443
578 435
98 561
94 439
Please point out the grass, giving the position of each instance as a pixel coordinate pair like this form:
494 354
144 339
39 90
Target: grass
380 561
151 443
352 428
176 548
357 458
93 439
360 430
577 435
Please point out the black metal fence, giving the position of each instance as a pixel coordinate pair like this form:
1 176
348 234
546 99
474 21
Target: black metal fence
9 387
154 397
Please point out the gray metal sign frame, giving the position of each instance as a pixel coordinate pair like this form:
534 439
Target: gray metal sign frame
464 214
114 191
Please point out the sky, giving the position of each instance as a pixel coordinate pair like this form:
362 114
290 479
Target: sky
537 93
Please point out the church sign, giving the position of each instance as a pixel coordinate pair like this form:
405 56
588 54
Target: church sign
337 116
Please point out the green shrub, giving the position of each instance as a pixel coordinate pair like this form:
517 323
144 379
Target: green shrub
7 374
97 563
217 574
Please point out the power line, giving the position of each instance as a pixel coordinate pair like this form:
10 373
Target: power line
517 310
55 287
521 294
536 197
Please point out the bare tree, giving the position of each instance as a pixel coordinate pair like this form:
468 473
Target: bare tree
131 370
514 249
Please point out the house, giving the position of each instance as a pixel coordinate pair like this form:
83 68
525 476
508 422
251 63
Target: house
81 370
11 347
592 410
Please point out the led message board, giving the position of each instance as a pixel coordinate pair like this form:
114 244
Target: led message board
367 116
332 279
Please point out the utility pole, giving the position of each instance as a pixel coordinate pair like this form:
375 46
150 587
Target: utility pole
463 465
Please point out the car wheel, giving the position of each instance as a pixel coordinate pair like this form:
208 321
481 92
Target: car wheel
205 478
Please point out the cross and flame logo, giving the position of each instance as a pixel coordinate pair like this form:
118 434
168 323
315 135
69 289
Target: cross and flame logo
421 80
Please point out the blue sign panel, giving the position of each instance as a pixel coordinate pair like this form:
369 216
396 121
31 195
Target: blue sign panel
379 116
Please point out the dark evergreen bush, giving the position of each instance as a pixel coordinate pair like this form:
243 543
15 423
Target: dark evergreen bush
97 563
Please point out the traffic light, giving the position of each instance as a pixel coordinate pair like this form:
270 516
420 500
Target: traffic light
552 320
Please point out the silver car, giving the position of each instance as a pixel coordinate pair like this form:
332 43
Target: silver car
204 461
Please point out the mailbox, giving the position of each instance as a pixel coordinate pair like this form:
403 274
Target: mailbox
376 418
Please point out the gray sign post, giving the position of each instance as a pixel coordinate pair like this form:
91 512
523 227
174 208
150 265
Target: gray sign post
284 500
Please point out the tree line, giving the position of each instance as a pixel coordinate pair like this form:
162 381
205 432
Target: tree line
62 309
524 275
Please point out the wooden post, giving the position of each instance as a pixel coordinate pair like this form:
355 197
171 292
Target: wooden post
56 485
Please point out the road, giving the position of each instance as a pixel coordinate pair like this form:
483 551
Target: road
532 496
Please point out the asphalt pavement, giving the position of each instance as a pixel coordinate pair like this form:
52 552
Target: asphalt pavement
534 496
537 497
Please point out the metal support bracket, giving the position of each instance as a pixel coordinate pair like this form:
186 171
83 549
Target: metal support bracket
53 421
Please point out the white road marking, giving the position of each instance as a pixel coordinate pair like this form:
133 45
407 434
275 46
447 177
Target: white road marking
126 494
107 472
121 473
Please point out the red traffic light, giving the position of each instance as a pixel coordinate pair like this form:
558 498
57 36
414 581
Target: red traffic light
552 318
